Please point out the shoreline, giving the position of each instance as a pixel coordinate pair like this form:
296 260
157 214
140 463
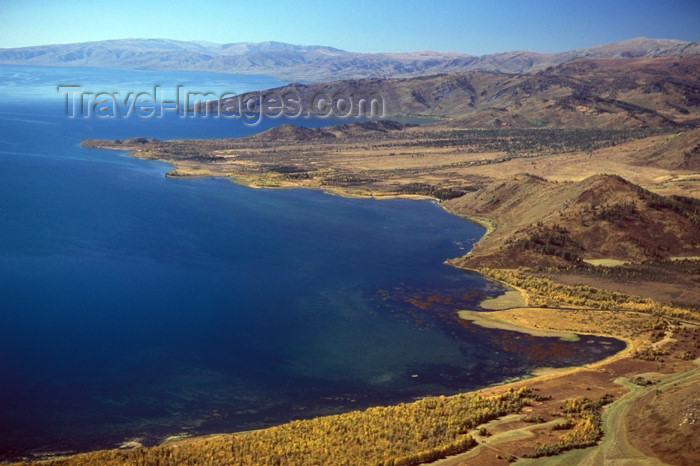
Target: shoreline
477 317
496 316
490 225
485 319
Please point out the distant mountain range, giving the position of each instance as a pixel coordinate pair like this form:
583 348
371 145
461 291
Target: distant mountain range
316 63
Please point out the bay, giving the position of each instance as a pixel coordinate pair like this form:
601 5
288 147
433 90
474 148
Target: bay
133 306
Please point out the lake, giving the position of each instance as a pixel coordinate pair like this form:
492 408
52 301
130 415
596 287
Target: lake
133 306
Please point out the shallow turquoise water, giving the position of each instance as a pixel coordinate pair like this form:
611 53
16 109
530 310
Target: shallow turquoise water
135 306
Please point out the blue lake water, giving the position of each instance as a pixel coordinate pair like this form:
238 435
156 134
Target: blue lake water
138 307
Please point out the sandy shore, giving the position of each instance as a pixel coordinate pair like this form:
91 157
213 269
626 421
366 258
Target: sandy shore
486 320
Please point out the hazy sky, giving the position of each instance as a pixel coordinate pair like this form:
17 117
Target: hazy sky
359 25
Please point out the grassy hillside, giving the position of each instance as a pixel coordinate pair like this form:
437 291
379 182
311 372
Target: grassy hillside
602 217
679 151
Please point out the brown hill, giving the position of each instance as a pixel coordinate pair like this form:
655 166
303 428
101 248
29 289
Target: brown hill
640 92
680 151
600 217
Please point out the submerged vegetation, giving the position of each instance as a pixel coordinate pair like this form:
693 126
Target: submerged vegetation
406 434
